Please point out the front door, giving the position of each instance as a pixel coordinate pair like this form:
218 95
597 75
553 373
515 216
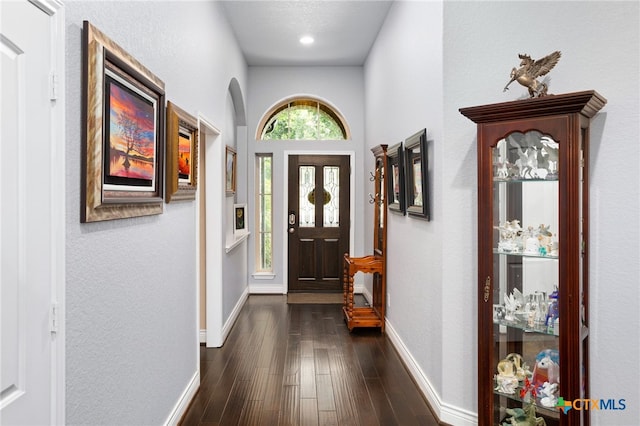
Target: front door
318 221
26 239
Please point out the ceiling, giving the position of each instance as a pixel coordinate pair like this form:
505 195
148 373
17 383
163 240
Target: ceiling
268 32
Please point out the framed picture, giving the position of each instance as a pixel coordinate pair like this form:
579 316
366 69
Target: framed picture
396 180
417 171
230 167
240 218
123 135
182 155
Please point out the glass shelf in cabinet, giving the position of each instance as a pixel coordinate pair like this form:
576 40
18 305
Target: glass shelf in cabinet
524 326
541 410
509 180
524 254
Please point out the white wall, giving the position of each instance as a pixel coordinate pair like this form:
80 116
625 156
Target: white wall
234 276
403 81
468 50
132 345
341 87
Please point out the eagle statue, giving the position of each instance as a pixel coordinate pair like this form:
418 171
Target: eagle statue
530 70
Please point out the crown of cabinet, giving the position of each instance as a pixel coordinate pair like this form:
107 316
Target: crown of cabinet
586 103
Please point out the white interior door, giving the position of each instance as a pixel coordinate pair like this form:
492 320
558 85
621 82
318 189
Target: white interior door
26 235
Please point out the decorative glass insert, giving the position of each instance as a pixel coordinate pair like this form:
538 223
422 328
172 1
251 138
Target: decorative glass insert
526 156
304 119
307 184
264 213
332 201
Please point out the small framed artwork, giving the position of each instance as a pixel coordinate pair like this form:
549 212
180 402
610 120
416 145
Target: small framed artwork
182 151
123 135
230 174
417 196
240 218
396 180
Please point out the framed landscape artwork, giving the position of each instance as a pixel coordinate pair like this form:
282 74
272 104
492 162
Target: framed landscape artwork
182 155
123 136
396 181
417 196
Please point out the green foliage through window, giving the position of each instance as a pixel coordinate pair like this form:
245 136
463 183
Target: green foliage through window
304 119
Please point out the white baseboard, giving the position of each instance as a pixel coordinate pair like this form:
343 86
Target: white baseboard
457 416
183 403
267 289
446 413
226 329
257 289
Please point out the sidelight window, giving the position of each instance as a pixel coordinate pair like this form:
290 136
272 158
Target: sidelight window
264 215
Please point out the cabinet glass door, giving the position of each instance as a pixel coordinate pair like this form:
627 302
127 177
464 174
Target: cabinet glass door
526 277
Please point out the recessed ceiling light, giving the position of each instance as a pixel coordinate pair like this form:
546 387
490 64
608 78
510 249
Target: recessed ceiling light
306 40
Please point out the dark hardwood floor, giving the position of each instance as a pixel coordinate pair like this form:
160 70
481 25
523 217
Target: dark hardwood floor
299 365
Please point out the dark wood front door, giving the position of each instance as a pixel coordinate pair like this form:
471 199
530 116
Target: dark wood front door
318 221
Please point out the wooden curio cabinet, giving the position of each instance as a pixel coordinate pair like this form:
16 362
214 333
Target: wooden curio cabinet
370 316
533 235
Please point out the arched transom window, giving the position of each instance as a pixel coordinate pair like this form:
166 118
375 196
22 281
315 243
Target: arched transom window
303 119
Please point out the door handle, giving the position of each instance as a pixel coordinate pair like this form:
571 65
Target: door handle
292 221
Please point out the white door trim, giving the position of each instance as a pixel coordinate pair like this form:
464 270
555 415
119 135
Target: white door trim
213 184
57 184
285 205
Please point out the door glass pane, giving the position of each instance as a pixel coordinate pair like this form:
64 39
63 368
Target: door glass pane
331 196
307 183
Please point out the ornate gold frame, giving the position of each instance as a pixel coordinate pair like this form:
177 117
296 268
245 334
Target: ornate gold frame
100 203
180 123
